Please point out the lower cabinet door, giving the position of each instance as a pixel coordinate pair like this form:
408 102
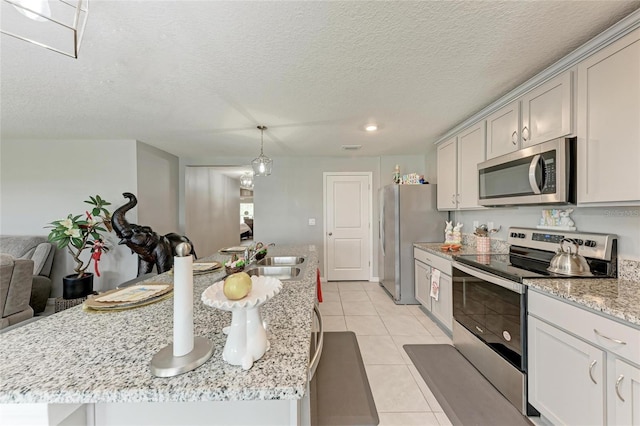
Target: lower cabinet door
566 376
442 308
624 389
422 278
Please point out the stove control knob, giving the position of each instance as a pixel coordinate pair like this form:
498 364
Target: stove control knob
521 235
590 243
514 235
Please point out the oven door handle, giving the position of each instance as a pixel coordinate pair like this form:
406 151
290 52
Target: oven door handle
509 285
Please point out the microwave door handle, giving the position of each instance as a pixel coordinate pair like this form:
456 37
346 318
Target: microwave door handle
532 174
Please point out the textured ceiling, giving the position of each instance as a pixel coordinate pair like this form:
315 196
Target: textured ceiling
195 78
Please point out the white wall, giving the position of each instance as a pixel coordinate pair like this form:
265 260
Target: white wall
212 207
43 181
157 193
284 201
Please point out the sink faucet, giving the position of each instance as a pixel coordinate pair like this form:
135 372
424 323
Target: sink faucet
252 251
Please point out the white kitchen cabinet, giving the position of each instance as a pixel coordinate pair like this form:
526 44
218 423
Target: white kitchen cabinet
566 376
447 185
547 111
608 123
503 134
471 151
584 368
422 282
442 308
458 160
625 386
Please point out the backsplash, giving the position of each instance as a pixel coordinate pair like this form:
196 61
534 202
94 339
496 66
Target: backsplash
497 246
629 270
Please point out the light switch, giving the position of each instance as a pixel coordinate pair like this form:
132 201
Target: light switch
312 221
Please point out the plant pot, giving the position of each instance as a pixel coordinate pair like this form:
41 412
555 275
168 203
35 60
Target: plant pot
74 287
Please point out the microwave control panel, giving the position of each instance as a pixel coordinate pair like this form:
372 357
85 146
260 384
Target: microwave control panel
549 170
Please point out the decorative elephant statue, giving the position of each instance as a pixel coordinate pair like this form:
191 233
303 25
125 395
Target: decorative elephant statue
151 248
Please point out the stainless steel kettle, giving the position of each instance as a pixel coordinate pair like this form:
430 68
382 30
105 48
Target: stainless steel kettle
568 263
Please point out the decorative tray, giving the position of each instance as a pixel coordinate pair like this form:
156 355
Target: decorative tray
200 268
262 289
232 250
129 297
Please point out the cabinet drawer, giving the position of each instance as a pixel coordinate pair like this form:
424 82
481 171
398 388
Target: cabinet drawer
592 327
435 261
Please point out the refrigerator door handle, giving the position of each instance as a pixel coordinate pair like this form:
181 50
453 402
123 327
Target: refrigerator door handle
382 228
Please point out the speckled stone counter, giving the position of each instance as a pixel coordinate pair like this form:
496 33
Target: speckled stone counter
80 357
618 298
434 248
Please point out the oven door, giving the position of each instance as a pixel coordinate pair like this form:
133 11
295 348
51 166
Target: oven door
492 309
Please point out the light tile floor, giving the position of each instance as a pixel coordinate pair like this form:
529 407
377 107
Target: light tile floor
382 327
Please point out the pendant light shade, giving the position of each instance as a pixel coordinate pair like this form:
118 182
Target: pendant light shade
57 25
263 164
246 181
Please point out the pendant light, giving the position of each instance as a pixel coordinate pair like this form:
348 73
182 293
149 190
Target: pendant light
57 25
246 181
263 164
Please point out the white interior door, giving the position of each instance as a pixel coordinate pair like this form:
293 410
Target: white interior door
347 226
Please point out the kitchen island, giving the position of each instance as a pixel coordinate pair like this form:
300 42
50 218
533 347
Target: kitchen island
99 361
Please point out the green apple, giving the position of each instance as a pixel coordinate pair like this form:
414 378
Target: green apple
237 286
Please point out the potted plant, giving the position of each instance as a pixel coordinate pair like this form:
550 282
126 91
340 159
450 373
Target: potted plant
79 233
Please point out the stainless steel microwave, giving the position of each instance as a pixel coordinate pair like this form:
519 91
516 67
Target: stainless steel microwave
540 174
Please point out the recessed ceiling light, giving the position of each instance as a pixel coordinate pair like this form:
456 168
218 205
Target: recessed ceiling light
371 127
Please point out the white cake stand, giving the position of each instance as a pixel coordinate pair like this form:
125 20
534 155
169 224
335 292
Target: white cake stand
246 337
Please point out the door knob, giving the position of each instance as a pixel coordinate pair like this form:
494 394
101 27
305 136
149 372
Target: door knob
330 233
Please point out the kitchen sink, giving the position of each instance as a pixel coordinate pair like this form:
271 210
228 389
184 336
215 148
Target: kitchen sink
279 272
280 260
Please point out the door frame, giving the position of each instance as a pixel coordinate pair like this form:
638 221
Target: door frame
369 175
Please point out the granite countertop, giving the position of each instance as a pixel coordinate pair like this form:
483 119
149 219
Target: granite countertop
80 357
618 298
434 248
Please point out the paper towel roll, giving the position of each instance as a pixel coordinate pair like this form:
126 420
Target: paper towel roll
182 305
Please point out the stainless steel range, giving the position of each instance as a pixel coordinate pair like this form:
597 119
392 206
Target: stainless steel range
490 301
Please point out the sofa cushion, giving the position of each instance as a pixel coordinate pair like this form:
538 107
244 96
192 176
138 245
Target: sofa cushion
16 279
34 247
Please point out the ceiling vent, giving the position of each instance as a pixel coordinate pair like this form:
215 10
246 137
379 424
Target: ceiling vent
351 147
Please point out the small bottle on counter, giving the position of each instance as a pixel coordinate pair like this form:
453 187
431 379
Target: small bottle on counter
396 175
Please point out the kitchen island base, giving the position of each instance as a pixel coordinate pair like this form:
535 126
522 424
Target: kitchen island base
258 412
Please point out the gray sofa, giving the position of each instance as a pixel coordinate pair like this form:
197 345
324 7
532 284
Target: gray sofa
16 277
41 252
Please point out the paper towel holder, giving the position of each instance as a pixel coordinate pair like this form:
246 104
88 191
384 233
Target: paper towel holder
164 363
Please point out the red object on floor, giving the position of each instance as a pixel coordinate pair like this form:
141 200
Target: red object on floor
319 286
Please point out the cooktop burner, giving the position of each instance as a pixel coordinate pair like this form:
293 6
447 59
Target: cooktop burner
531 251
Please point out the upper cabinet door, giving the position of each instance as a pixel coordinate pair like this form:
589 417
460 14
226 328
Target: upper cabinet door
447 175
471 151
546 111
608 123
503 134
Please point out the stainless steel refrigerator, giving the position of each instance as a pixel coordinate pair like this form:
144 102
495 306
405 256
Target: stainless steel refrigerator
408 214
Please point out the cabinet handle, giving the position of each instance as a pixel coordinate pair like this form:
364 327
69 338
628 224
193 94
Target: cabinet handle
593 364
453 199
618 382
479 329
525 129
514 137
620 342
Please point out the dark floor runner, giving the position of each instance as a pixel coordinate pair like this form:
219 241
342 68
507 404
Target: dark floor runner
466 397
343 395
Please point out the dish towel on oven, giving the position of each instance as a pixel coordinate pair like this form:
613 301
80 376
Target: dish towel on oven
435 284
